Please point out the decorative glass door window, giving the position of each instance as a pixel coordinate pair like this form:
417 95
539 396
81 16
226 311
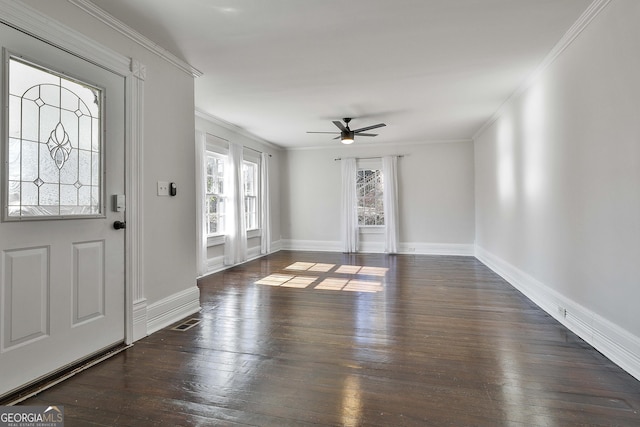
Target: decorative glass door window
54 150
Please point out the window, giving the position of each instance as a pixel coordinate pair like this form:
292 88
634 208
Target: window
53 155
369 187
218 198
214 209
250 185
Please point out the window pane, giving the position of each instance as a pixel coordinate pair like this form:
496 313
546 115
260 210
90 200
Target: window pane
250 183
369 187
55 149
214 209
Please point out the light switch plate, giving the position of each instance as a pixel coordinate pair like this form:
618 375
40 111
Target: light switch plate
163 188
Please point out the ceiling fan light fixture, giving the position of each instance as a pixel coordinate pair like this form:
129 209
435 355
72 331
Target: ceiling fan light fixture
346 137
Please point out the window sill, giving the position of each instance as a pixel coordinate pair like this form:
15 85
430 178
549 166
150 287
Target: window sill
220 238
371 229
256 232
215 240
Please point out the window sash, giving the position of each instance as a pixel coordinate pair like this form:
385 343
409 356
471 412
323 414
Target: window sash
215 198
369 189
250 188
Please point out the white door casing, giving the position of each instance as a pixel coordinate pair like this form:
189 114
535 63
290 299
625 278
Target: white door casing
62 289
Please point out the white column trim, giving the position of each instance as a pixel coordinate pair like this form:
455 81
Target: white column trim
137 326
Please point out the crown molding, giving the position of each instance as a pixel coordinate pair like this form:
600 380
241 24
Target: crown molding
578 27
35 23
235 128
379 145
135 36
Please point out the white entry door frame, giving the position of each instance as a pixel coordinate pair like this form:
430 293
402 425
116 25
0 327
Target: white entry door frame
36 24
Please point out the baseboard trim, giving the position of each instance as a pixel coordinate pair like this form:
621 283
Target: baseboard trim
139 319
276 246
173 308
311 245
616 343
215 265
457 249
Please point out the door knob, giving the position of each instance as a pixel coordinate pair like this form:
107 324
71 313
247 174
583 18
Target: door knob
119 225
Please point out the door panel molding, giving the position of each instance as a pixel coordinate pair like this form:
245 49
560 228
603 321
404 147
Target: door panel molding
25 296
88 293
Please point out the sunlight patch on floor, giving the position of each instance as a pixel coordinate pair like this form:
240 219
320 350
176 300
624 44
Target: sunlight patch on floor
275 280
339 284
300 282
330 283
322 267
348 269
327 283
301 266
343 269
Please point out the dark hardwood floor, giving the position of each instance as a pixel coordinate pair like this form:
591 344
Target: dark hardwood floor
433 341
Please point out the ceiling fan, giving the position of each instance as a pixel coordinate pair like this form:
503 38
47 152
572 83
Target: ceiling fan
347 135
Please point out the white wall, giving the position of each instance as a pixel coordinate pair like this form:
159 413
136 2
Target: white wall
228 132
557 175
436 196
169 222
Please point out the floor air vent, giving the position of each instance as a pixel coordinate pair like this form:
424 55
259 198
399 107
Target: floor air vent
187 324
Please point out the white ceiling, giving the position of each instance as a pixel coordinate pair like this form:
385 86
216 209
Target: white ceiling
432 70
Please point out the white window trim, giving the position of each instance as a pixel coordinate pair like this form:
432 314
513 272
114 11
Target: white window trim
252 156
218 147
371 229
215 240
256 161
372 164
219 239
218 154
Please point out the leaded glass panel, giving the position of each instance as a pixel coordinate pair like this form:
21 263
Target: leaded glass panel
53 151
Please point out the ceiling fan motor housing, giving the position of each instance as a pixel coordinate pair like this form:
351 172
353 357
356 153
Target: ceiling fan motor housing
347 134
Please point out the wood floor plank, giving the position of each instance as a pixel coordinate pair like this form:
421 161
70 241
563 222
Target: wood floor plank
440 341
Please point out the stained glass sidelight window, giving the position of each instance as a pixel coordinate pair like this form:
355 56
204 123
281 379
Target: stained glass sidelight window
54 145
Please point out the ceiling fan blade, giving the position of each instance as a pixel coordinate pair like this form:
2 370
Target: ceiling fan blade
340 125
324 132
367 134
379 125
338 137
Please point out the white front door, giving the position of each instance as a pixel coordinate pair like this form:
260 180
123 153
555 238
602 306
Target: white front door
61 260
